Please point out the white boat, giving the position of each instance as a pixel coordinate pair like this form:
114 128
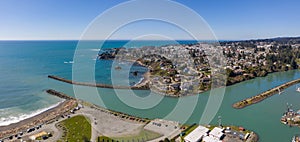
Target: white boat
298 89
279 92
296 138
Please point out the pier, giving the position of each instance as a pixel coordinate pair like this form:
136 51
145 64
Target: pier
264 95
136 87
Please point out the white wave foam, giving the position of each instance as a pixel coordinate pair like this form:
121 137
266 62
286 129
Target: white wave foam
140 81
69 62
4 121
95 49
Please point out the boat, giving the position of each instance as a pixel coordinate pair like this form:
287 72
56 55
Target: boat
118 68
296 138
279 92
298 89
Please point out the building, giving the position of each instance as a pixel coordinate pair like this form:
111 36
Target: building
217 133
210 139
197 134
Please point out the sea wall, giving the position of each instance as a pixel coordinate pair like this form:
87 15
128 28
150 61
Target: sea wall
264 95
138 87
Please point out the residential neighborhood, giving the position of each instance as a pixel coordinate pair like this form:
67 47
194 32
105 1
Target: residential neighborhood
180 70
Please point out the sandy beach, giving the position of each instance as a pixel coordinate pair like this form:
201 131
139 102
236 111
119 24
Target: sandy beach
103 121
144 81
42 118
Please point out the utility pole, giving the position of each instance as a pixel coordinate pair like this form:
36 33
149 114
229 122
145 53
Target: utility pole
220 121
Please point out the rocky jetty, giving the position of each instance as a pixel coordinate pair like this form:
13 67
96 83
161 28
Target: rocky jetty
138 87
264 95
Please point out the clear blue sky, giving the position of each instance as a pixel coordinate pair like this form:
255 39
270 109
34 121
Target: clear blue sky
67 19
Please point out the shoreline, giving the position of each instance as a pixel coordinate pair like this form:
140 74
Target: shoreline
51 115
35 113
49 118
43 118
144 81
262 96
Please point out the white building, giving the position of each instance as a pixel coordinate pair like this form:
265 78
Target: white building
217 133
197 134
210 139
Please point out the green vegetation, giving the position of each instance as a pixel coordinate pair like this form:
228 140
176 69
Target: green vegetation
236 128
76 128
144 135
243 60
104 139
167 140
276 58
189 129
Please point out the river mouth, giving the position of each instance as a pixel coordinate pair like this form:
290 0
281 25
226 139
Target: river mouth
33 67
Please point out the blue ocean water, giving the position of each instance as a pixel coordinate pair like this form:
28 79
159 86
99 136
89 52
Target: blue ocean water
24 66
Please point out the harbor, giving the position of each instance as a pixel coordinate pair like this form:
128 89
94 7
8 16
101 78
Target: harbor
115 127
242 116
291 117
36 80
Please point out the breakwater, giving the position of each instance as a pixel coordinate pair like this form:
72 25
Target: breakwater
59 94
137 87
264 95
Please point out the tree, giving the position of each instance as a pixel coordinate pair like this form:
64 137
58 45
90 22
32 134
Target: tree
230 73
294 64
166 140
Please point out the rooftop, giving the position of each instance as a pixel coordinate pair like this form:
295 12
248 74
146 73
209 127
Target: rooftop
217 132
196 134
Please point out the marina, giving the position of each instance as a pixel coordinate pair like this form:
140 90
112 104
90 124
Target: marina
296 138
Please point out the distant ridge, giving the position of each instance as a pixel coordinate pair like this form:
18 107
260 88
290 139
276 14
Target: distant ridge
282 40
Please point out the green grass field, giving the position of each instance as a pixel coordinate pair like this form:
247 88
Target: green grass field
144 135
78 129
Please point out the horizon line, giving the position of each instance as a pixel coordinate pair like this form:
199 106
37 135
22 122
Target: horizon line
150 39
